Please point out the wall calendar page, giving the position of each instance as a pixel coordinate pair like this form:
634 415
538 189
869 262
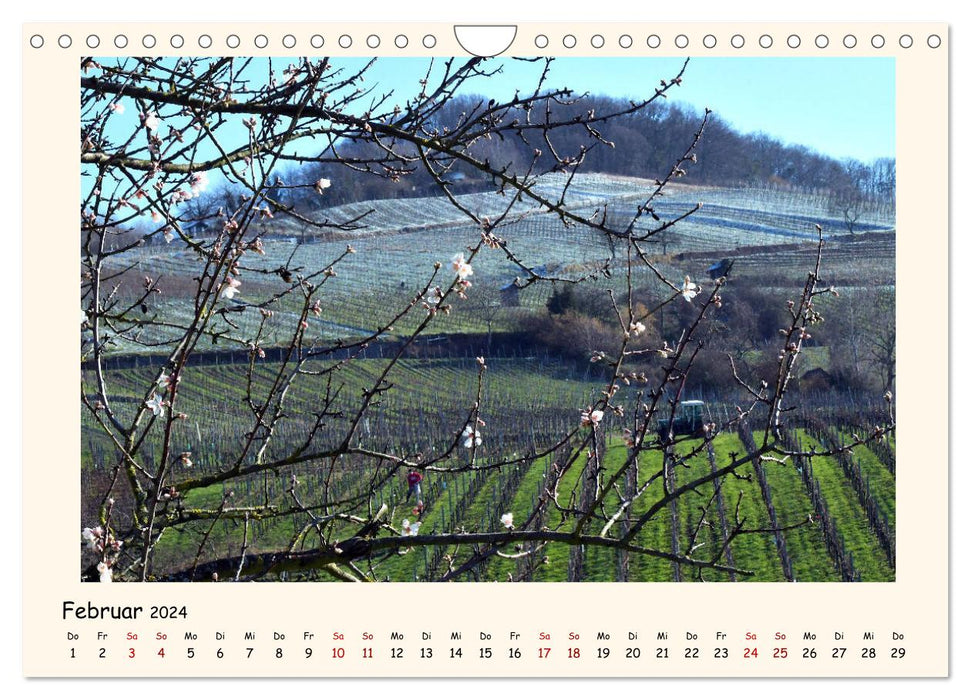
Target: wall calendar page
526 350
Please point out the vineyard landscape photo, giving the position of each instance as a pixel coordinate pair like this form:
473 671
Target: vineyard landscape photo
403 320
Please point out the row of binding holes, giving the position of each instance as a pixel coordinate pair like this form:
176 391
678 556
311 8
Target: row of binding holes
710 41
233 41
569 41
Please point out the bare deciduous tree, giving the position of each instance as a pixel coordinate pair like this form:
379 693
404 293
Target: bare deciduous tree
155 131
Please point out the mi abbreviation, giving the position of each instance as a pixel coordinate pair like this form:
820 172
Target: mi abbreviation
455 652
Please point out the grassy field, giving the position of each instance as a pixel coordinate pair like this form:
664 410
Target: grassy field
473 501
851 520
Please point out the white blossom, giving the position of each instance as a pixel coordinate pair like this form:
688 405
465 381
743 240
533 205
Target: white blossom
507 520
105 572
321 185
199 182
155 404
689 290
181 196
408 528
590 417
231 288
471 436
461 267
92 537
151 121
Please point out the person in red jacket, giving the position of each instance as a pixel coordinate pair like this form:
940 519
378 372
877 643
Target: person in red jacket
414 487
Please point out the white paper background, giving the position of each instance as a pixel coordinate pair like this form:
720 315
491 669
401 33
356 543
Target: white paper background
485 12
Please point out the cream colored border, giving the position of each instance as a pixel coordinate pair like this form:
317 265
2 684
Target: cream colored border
915 605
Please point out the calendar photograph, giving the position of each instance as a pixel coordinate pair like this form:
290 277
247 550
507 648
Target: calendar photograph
487 320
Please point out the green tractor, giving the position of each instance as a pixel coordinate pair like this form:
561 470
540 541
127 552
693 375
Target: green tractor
689 419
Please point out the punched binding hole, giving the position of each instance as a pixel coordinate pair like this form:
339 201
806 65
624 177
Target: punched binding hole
486 39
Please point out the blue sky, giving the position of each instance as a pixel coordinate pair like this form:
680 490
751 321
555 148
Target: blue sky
843 107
